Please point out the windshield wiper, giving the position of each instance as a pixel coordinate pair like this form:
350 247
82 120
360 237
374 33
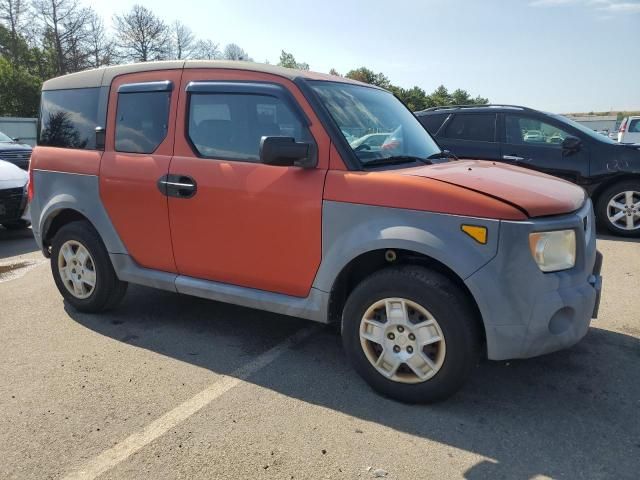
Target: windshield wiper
396 160
442 154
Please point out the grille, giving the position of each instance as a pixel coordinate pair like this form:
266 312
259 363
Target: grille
11 202
19 158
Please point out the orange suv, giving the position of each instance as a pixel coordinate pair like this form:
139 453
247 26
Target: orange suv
312 196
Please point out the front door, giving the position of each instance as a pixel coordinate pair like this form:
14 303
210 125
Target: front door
242 222
138 149
532 143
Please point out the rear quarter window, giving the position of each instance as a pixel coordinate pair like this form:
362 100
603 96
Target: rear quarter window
68 118
433 122
478 127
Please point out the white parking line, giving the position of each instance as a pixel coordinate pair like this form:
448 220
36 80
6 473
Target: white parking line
120 452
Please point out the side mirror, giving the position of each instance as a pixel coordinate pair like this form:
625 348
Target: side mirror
286 152
100 136
571 144
16 139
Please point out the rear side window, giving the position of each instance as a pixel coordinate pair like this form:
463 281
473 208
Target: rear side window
68 118
478 127
634 126
231 125
433 122
141 121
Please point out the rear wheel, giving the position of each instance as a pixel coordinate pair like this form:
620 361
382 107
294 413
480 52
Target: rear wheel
411 334
82 269
618 208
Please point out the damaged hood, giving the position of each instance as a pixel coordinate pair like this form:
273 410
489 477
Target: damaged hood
534 193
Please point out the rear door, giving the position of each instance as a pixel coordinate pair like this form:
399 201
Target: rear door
246 223
471 135
533 143
138 149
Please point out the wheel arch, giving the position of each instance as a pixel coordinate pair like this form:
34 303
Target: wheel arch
367 263
610 182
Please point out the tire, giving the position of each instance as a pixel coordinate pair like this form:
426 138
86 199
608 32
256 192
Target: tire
421 291
107 290
17 225
605 212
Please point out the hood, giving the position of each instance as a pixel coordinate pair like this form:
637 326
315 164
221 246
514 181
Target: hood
12 176
4 146
534 193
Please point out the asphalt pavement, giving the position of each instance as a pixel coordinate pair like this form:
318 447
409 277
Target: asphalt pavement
169 386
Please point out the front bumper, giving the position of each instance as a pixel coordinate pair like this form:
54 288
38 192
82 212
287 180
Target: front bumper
527 312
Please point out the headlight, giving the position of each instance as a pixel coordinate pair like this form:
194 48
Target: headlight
553 251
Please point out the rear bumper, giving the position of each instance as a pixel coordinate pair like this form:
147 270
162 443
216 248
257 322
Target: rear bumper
528 313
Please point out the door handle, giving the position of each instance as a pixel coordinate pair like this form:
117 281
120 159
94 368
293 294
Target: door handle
179 186
513 158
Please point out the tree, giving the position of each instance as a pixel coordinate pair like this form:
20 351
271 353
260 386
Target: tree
141 36
20 91
365 75
206 50
183 40
12 13
101 48
334 72
288 60
65 33
235 52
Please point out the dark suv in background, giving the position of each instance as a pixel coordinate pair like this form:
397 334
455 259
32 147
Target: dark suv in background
607 170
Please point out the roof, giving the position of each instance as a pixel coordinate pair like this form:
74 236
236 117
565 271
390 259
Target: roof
103 76
593 118
473 108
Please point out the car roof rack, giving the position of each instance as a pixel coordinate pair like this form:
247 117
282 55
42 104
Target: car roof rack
490 105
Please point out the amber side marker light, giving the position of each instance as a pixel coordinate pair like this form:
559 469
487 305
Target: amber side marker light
479 234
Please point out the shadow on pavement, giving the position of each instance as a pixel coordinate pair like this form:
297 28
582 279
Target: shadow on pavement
16 242
572 414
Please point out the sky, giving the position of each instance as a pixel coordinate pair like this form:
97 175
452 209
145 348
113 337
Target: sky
556 55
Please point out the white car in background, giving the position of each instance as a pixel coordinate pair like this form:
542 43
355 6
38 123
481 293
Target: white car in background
14 208
629 131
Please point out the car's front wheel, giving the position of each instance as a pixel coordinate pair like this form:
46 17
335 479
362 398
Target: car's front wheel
82 269
411 334
618 208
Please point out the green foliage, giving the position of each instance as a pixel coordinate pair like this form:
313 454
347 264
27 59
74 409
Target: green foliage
415 98
363 74
288 60
19 91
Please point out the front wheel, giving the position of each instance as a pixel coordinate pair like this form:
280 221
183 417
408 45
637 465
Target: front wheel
82 269
618 208
411 334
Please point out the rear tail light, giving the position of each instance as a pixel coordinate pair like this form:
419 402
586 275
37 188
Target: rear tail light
623 125
30 184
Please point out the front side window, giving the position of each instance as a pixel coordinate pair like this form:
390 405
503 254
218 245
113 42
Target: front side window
476 127
141 121
377 126
231 125
68 118
433 122
521 130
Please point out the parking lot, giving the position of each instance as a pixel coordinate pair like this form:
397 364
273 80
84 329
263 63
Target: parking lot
169 386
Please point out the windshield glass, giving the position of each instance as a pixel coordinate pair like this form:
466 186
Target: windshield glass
4 138
375 123
586 130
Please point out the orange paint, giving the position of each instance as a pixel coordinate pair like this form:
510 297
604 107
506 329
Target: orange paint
249 224
128 187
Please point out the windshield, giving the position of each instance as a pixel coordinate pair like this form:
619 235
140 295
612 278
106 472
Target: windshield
586 130
376 125
4 138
